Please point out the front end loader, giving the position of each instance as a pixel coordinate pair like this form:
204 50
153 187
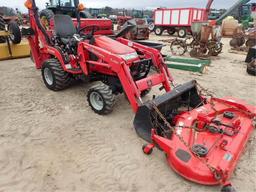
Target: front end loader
192 129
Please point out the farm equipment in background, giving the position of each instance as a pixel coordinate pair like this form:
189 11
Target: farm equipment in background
170 121
179 19
68 7
200 45
11 44
176 20
140 30
203 45
242 37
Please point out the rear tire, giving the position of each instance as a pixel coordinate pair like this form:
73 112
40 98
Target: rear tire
171 31
101 99
2 28
182 32
54 77
158 31
15 35
251 67
47 13
250 43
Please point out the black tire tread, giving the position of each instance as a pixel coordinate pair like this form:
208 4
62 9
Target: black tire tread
107 95
47 13
2 28
251 71
14 28
62 78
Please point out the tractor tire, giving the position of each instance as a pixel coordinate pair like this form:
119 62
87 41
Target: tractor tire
15 33
101 99
171 31
251 67
151 26
158 31
2 28
54 77
48 14
182 32
250 43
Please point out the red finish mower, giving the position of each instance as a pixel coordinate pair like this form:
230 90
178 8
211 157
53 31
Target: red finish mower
202 137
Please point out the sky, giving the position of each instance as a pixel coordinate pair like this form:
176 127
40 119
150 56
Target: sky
138 4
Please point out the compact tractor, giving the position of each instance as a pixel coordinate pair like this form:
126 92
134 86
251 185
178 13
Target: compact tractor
202 136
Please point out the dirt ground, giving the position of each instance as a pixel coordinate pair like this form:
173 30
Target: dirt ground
52 141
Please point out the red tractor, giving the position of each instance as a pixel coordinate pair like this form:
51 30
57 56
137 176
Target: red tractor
66 53
202 138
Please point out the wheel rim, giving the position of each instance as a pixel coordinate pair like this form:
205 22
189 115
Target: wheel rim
181 32
48 76
178 49
151 26
158 31
96 101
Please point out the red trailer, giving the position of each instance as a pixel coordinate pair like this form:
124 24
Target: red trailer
177 19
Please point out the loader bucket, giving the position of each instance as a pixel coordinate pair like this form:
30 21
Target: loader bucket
184 95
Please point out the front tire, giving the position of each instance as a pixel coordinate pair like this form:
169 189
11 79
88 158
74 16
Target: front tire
54 77
101 99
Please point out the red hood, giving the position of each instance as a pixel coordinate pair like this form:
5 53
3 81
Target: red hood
112 45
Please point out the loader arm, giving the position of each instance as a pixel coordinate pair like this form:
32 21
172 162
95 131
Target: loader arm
156 57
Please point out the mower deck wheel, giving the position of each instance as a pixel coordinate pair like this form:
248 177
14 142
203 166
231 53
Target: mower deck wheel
54 77
147 149
101 99
228 188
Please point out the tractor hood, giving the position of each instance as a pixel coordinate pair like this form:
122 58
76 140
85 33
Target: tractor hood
114 47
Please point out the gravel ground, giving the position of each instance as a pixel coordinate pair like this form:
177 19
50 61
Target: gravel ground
52 141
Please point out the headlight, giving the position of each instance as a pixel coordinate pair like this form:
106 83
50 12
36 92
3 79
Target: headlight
130 56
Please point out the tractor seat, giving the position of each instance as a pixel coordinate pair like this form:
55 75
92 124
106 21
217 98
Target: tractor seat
64 27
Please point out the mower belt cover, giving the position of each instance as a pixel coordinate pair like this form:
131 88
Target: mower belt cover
186 93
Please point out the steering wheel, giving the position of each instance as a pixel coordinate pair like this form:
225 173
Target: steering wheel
91 28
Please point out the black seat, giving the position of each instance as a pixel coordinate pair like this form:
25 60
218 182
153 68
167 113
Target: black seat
64 27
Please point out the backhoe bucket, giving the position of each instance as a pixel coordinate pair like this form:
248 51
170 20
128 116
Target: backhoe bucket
184 95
